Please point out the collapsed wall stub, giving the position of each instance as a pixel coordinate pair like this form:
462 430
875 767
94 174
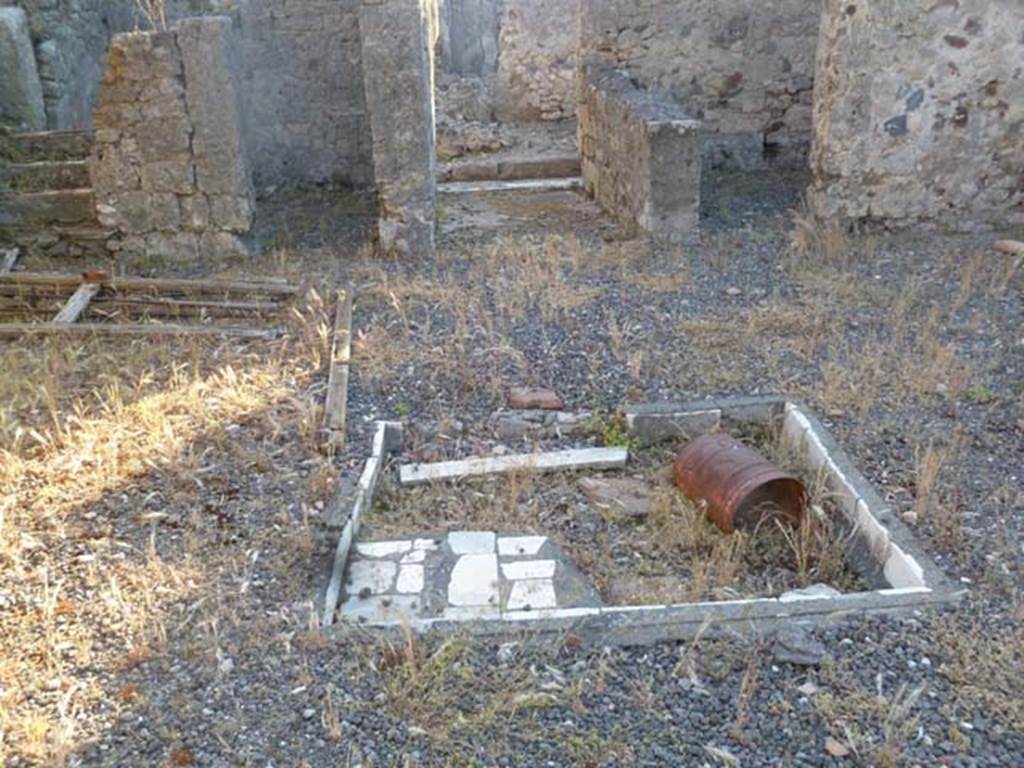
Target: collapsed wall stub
641 156
744 69
397 71
21 91
169 167
920 113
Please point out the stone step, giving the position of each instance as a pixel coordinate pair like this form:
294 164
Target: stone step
47 176
510 169
45 209
46 146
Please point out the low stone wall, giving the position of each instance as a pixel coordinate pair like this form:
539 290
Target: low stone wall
920 113
641 156
169 168
744 69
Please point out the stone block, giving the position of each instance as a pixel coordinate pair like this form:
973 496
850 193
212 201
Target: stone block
21 91
173 175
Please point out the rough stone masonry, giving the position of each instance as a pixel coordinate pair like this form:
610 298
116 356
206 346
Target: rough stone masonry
641 155
169 167
744 69
919 113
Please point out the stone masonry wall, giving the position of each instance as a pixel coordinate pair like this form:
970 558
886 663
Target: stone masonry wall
397 40
517 58
70 38
920 112
302 86
169 167
744 69
537 61
641 156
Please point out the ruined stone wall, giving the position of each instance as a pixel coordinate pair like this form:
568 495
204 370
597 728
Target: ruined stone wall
70 38
537 60
515 58
641 155
920 112
745 69
169 165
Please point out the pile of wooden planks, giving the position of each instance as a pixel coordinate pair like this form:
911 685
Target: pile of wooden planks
138 306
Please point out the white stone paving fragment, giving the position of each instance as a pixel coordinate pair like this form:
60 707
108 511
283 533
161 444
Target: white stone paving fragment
474 581
472 542
376 576
416 556
425 544
532 594
519 546
580 458
410 580
377 549
529 569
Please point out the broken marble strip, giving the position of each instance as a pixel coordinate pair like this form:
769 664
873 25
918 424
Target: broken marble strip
583 458
386 439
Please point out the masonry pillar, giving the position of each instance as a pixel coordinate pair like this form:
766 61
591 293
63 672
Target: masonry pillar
21 91
397 72
168 165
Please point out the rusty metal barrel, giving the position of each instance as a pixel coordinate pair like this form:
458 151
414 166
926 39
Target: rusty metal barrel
737 485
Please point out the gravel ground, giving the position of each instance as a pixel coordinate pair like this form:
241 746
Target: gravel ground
910 347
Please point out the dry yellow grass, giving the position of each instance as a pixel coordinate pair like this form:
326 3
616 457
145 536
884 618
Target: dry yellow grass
142 428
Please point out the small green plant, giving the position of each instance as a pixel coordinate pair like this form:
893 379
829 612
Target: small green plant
403 409
612 431
981 395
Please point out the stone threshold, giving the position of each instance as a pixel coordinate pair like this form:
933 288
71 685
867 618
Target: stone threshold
526 185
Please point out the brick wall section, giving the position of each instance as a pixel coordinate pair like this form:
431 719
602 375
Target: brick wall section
744 69
396 36
920 113
641 157
168 167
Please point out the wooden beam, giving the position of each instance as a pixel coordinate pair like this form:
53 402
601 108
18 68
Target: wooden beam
8 259
336 408
17 330
152 284
77 304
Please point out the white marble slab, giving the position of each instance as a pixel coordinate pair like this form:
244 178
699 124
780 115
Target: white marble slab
474 581
581 458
